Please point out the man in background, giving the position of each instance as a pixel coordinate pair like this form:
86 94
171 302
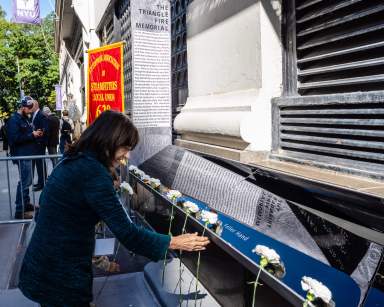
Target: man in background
66 129
21 138
40 123
4 135
53 133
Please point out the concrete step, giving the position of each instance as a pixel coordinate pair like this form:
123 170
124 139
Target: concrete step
123 290
169 293
10 236
14 298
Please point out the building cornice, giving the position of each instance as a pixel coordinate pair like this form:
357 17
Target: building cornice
106 15
59 6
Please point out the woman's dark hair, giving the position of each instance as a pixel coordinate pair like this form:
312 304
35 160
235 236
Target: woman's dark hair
105 135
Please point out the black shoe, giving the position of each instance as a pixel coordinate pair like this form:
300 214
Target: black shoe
30 207
26 216
37 188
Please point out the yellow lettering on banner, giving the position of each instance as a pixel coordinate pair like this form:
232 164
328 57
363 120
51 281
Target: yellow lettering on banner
105 58
104 86
101 108
96 62
112 60
98 97
109 97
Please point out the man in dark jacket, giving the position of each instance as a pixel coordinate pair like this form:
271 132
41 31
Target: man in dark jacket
4 136
21 138
40 123
53 133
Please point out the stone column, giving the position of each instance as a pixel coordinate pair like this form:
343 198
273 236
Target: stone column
234 69
151 76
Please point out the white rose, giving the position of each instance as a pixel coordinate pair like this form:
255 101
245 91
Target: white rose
145 177
125 186
133 168
269 253
210 217
136 171
191 207
173 194
141 174
155 181
316 288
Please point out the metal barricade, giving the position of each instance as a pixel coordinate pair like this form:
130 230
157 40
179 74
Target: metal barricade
13 168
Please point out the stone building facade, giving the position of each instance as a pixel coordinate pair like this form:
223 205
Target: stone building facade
292 85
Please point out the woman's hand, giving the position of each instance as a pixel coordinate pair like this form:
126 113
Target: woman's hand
189 242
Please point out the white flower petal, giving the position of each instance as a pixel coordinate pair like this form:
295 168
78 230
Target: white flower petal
208 216
173 194
191 206
154 181
316 288
145 177
133 168
267 252
136 171
126 186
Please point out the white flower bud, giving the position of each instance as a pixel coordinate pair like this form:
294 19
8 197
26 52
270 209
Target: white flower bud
126 187
316 288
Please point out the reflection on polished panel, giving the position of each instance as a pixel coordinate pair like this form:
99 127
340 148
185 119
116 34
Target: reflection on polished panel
250 215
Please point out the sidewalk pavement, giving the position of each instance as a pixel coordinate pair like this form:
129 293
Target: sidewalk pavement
13 179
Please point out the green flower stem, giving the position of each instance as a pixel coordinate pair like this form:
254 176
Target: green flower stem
309 299
165 255
263 264
198 266
181 252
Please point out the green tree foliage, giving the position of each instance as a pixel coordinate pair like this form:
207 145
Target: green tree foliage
33 47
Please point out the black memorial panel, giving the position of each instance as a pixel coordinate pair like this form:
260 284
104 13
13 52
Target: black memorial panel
234 190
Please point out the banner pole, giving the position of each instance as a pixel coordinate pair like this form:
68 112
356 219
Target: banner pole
18 76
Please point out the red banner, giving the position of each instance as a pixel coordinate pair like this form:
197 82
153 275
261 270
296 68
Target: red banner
105 86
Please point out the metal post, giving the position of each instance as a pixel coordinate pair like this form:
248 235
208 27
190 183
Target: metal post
128 202
18 75
9 191
33 180
21 190
17 160
44 170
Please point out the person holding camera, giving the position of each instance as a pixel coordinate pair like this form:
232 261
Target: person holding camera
21 138
66 129
40 123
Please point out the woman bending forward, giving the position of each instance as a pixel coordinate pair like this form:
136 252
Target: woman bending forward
57 267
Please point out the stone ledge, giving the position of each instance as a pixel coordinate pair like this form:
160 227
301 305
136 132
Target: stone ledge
361 184
353 182
216 140
214 150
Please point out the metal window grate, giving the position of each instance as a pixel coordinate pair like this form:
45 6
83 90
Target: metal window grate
123 13
179 54
331 113
339 46
342 131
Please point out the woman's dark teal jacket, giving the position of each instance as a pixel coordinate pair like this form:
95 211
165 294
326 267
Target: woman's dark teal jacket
57 267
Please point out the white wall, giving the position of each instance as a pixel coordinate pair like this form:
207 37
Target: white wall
72 70
234 69
89 12
225 57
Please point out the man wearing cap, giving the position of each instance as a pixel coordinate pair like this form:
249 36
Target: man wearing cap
40 122
53 133
21 138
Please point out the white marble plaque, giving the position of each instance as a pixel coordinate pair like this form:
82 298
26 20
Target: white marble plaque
151 67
